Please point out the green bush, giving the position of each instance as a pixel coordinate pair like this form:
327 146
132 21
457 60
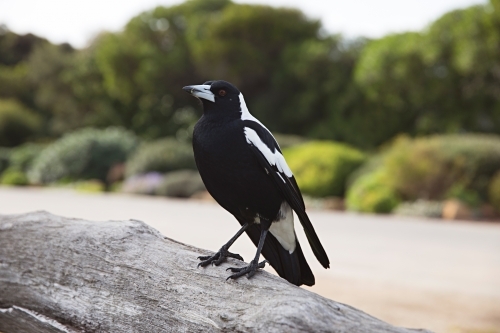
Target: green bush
288 140
373 163
371 193
17 123
23 156
85 154
162 155
494 191
461 192
321 167
13 176
421 208
90 186
437 167
4 159
181 184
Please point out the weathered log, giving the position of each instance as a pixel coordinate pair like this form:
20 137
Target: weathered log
67 275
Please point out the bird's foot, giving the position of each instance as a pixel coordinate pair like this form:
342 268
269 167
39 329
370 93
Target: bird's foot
218 258
250 269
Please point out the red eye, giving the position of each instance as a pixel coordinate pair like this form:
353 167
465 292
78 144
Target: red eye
222 93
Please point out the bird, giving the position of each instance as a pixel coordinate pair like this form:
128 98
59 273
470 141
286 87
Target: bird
243 168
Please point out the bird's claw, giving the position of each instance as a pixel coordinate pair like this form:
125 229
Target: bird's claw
251 269
218 258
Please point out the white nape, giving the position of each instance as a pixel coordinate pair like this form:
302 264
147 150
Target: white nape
275 158
245 114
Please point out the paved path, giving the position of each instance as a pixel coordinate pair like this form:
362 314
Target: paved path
410 272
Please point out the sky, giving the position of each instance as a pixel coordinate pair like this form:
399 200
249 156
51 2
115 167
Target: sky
77 21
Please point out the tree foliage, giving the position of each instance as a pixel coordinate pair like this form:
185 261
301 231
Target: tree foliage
17 123
444 79
296 78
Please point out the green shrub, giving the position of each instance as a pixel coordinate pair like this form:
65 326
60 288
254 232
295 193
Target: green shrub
14 176
321 167
4 159
373 163
23 156
437 167
85 154
421 208
90 186
494 191
162 155
372 193
461 192
181 184
288 140
17 123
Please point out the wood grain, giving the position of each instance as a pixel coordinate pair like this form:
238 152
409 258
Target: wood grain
68 275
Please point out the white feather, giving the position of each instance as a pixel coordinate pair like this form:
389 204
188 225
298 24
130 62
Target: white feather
283 228
245 113
275 159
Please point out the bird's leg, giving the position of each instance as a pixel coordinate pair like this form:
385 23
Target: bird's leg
254 264
223 253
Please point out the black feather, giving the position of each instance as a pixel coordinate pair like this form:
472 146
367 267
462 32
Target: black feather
291 267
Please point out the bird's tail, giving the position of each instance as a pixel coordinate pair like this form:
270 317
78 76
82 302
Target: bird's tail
292 267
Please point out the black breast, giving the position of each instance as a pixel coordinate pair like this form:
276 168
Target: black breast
231 172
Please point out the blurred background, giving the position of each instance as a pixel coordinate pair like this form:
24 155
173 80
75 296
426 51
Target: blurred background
384 107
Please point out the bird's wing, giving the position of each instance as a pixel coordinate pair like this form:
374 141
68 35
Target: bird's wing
267 151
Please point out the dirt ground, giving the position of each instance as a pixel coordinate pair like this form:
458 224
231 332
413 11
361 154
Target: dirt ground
410 272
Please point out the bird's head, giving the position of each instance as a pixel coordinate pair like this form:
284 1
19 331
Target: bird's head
217 97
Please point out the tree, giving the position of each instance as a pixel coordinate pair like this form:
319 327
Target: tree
312 89
245 44
296 78
160 51
16 48
444 79
145 67
17 123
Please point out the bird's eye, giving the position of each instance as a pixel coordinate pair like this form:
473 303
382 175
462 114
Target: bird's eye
222 93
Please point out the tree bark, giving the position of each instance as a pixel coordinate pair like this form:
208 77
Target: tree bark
67 275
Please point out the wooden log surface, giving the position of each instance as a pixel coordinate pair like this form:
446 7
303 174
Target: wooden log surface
60 274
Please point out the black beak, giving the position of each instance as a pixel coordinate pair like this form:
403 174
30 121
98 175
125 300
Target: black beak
188 89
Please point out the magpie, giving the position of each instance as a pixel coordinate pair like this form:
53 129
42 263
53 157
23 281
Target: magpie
244 170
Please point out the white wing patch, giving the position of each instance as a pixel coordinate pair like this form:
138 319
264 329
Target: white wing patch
275 158
283 229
